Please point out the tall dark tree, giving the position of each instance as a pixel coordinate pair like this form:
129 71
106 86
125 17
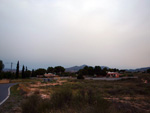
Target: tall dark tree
122 71
50 70
17 70
104 71
23 74
26 68
113 70
1 65
97 70
85 70
27 73
90 71
148 70
40 71
33 73
59 69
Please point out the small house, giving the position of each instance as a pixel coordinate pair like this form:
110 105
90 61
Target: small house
50 75
113 74
40 76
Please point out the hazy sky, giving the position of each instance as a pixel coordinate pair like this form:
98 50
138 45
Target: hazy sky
42 33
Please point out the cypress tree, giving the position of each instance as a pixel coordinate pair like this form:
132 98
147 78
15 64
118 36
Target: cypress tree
33 73
26 73
23 75
17 70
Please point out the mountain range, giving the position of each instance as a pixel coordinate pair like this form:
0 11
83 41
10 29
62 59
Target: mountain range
138 69
77 68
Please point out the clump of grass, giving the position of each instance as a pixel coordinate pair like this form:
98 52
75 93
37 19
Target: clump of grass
61 97
14 90
31 105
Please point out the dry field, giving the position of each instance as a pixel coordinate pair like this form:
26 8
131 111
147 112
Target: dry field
80 96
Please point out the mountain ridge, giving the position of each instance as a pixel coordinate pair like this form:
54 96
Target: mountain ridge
77 68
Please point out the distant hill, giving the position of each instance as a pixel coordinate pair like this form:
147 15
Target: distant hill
8 70
138 69
77 68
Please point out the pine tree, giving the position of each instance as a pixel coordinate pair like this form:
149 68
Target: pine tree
17 70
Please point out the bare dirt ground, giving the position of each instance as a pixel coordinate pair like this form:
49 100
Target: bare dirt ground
40 88
3 81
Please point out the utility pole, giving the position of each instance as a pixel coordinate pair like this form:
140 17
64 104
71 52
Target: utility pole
11 66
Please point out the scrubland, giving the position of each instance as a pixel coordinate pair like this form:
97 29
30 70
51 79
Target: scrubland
80 96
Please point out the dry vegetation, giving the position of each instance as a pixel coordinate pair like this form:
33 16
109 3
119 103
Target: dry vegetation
3 81
81 96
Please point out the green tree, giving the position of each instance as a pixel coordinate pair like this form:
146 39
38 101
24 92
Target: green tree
104 71
40 71
90 71
80 76
59 69
17 70
23 74
50 70
1 65
33 73
97 70
27 73
85 70
122 71
148 70
7 75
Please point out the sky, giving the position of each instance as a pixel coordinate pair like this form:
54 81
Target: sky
43 33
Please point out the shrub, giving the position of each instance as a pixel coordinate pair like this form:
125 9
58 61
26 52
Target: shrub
64 100
62 97
130 75
31 105
80 77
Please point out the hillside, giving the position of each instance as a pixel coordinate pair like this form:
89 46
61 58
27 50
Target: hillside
77 68
139 69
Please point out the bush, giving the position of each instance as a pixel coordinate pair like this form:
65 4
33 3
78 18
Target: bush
65 100
130 75
80 77
60 98
31 105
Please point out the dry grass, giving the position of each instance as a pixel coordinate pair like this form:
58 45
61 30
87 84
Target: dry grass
3 81
124 96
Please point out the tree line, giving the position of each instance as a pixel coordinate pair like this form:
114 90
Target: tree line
58 70
25 73
97 71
